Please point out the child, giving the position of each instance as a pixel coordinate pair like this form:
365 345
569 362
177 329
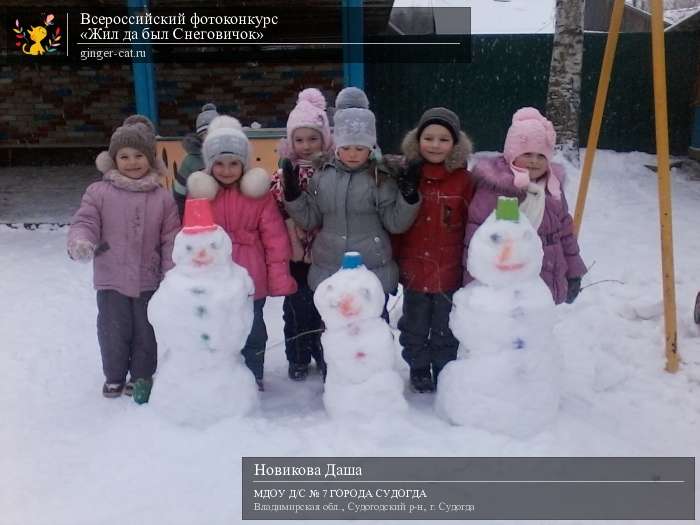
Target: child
127 223
525 171
246 209
308 136
352 199
192 144
430 252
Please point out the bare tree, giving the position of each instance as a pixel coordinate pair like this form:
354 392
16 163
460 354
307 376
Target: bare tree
564 94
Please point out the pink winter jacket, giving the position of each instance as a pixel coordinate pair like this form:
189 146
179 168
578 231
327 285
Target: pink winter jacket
260 240
133 222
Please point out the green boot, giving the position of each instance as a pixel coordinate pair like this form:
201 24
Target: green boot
142 390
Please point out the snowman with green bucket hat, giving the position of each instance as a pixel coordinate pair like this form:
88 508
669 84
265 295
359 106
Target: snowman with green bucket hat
506 376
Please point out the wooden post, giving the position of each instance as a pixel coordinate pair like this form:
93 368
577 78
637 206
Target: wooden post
600 98
662 156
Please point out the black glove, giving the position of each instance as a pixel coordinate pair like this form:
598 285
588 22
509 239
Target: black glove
573 290
290 174
408 181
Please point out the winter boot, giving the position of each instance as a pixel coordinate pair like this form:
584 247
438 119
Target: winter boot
261 386
112 389
142 390
129 388
422 380
696 312
323 369
298 371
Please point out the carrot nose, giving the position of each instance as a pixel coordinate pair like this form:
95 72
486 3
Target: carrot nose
202 253
506 252
347 306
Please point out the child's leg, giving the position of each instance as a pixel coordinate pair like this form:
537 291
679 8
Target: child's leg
254 349
144 349
114 329
304 325
443 344
415 328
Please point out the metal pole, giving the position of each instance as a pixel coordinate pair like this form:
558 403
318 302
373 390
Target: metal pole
353 31
600 98
662 156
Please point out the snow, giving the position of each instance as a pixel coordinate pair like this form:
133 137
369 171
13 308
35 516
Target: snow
73 457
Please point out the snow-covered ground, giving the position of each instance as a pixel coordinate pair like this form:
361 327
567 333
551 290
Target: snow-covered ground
69 456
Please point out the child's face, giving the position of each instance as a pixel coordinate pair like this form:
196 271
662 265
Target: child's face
353 156
306 142
535 163
227 170
132 163
435 143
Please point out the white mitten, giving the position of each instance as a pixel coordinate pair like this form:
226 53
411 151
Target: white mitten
81 250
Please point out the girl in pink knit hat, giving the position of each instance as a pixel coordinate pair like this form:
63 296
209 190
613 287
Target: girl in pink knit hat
308 138
525 170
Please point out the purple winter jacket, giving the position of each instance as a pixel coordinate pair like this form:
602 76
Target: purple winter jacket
137 219
494 178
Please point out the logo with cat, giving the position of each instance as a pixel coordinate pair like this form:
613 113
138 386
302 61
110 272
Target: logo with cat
42 39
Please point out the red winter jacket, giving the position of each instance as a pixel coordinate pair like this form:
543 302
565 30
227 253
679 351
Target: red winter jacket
429 254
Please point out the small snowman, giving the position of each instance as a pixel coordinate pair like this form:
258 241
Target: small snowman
358 344
202 314
506 376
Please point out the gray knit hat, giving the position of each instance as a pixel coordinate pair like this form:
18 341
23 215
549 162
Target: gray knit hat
442 116
137 132
354 122
225 137
208 114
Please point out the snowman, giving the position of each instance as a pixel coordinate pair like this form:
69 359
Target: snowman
357 344
505 377
202 314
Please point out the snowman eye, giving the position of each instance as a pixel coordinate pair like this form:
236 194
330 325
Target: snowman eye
365 293
188 248
495 238
213 246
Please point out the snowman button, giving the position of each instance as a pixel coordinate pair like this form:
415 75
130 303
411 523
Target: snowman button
428 219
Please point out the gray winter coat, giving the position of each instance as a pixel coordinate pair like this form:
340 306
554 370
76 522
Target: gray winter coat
356 211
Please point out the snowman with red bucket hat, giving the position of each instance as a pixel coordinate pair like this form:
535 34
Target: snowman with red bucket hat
202 314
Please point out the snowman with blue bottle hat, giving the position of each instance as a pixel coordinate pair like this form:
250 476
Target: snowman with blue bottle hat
358 344
506 376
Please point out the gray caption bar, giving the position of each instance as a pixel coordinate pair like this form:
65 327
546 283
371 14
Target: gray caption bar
468 488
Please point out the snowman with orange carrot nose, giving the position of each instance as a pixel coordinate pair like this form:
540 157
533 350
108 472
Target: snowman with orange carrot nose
506 376
357 344
202 314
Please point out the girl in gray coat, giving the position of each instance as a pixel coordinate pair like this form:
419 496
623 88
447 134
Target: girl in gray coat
353 199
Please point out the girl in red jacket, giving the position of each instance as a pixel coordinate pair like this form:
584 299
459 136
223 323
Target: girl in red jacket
430 252
246 209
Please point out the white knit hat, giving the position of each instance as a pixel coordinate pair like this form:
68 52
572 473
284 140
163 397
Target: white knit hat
225 137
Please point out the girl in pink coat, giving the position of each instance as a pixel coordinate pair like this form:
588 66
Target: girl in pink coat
246 209
525 171
127 224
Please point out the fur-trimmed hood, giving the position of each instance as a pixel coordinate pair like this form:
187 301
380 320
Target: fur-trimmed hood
192 144
148 182
495 173
456 159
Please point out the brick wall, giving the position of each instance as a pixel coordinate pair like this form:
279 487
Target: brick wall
75 105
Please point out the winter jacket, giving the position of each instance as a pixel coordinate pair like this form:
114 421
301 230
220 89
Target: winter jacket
133 222
259 237
356 210
430 252
300 239
561 261
193 161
